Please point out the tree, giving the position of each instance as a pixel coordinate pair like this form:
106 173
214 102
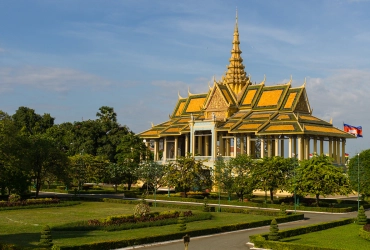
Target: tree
46 240
43 157
319 177
361 216
31 123
359 169
274 231
115 174
271 173
130 153
107 114
12 157
187 173
224 178
152 174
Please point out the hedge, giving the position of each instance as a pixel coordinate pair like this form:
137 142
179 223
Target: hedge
260 240
61 204
364 234
174 236
83 226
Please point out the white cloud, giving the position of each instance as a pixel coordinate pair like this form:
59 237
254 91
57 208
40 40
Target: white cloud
2 50
48 78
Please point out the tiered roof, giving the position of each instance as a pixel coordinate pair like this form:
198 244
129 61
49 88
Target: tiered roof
238 106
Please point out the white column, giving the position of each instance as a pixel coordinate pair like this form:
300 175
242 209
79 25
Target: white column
186 144
282 153
321 145
290 147
300 148
338 150
262 148
176 147
269 146
206 145
241 138
248 145
164 149
276 145
221 146
330 148
343 151
235 144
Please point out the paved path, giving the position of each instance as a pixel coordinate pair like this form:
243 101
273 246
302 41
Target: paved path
238 239
229 240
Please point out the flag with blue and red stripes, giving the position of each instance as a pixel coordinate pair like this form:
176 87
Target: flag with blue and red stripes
356 131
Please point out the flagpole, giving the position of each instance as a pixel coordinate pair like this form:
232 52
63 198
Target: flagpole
358 182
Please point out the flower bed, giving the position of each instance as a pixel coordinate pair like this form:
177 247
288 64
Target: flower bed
28 202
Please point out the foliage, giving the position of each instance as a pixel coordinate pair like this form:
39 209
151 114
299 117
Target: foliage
130 153
46 239
152 174
186 173
364 232
361 216
14 198
359 171
141 210
181 222
282 209
235 175
274 231
273 174
319 177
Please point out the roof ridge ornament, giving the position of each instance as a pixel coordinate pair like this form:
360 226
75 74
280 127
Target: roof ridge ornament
178 93
290 81
304 83
189 94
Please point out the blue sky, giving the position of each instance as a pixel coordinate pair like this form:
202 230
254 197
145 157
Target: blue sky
70 57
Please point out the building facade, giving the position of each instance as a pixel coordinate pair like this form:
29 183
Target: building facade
237 116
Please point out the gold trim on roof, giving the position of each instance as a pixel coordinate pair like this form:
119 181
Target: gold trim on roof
249 97
289 102
280 128
150 132
179 110
195 105
270 98
323 129
256 116
250 126
283 117
311 118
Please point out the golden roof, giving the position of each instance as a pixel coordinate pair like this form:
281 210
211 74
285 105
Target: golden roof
238 106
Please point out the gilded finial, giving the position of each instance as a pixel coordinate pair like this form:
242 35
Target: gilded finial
189 94
152 124
304 84
331 121
178 93
209 86
214 79
236 17
291 79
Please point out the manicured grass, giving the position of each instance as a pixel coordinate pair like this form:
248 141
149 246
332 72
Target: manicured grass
343 237
22 227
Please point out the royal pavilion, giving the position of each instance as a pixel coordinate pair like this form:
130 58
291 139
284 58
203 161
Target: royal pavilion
236 117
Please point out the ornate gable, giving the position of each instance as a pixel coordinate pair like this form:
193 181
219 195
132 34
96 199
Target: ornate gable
216 105
302 105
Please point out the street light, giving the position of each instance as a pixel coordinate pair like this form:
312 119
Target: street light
295 196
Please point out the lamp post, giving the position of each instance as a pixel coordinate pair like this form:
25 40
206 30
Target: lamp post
358 182
294 174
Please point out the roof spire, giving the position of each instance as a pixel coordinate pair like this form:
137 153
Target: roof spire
236 77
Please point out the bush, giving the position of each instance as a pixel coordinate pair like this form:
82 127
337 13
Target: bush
361 216
364 232
282 209
181 222
46 240
141 210
14 198
274 231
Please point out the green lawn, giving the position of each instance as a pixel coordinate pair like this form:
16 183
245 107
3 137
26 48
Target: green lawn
343 237
22 227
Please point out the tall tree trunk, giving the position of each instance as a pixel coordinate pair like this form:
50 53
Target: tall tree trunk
272 196
317 200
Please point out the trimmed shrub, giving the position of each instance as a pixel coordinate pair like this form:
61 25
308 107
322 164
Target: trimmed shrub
361 216
282 209
14 198
181 222
141 210
46 240
364 232
274 231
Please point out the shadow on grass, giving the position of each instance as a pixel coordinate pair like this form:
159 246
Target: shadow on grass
32 239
